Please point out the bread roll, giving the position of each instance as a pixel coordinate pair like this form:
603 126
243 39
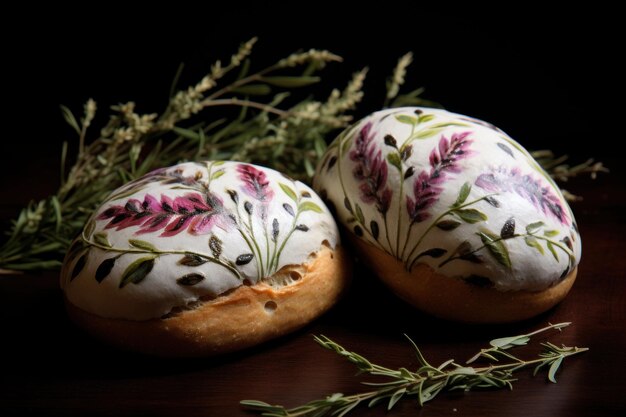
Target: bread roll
452 214
204 258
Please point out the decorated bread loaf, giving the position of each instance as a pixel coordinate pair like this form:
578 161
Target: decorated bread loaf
452 214
204 258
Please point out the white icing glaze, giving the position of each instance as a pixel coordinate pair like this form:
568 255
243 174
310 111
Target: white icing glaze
240 222
394 178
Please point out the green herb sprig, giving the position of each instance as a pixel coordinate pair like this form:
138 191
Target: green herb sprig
428 380
270 127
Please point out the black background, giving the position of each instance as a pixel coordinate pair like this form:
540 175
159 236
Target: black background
547 78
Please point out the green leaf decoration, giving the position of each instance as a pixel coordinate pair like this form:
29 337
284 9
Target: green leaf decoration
534 227
137 271
427 133
448 225
289 191
191 259
310 206
433 253
79 266
101 239
215 244
508 229
218 163
374 229
105 268
91 225
425 118
394 159
347 205
534 243
496 247
463 194
471 215
550 233
291 82
190 279
217 174
359 214
552 250
244 259
142 244
409 120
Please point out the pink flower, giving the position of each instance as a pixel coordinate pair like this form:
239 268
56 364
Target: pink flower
371 169
191 212
443 161
256 184
529 188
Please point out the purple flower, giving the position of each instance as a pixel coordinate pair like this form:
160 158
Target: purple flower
191 212
427 186
256 184
529 188
371 169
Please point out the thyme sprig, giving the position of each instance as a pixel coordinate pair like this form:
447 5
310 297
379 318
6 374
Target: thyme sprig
428 380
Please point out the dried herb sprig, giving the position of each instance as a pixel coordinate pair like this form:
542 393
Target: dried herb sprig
428 380
289 138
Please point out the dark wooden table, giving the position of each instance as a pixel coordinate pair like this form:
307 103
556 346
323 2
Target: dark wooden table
49 367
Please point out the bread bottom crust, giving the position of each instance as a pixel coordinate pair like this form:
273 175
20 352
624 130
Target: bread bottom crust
453 299
243 317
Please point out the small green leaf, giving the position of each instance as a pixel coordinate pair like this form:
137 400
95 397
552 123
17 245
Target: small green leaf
396 397
533 243
291 82
409 120
534 227
104 269
217 174
253 90
550 233
427 133
471 215
70 119
218 163
101 239
142 244
448 225
552 249
310 206
289 191
463 194
425 118
89 228
508 342
496 247
137 271
394 159
190 279
553 368
359 213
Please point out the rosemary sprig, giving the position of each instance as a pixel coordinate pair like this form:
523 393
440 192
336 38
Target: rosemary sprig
428 380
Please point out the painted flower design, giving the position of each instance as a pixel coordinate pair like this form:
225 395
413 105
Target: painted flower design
191 212
255 183
371 169
524 185
428 184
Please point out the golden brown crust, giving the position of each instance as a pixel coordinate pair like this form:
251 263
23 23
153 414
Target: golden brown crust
244 317
454 299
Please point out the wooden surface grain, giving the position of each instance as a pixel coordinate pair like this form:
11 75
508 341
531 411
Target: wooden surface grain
49 367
